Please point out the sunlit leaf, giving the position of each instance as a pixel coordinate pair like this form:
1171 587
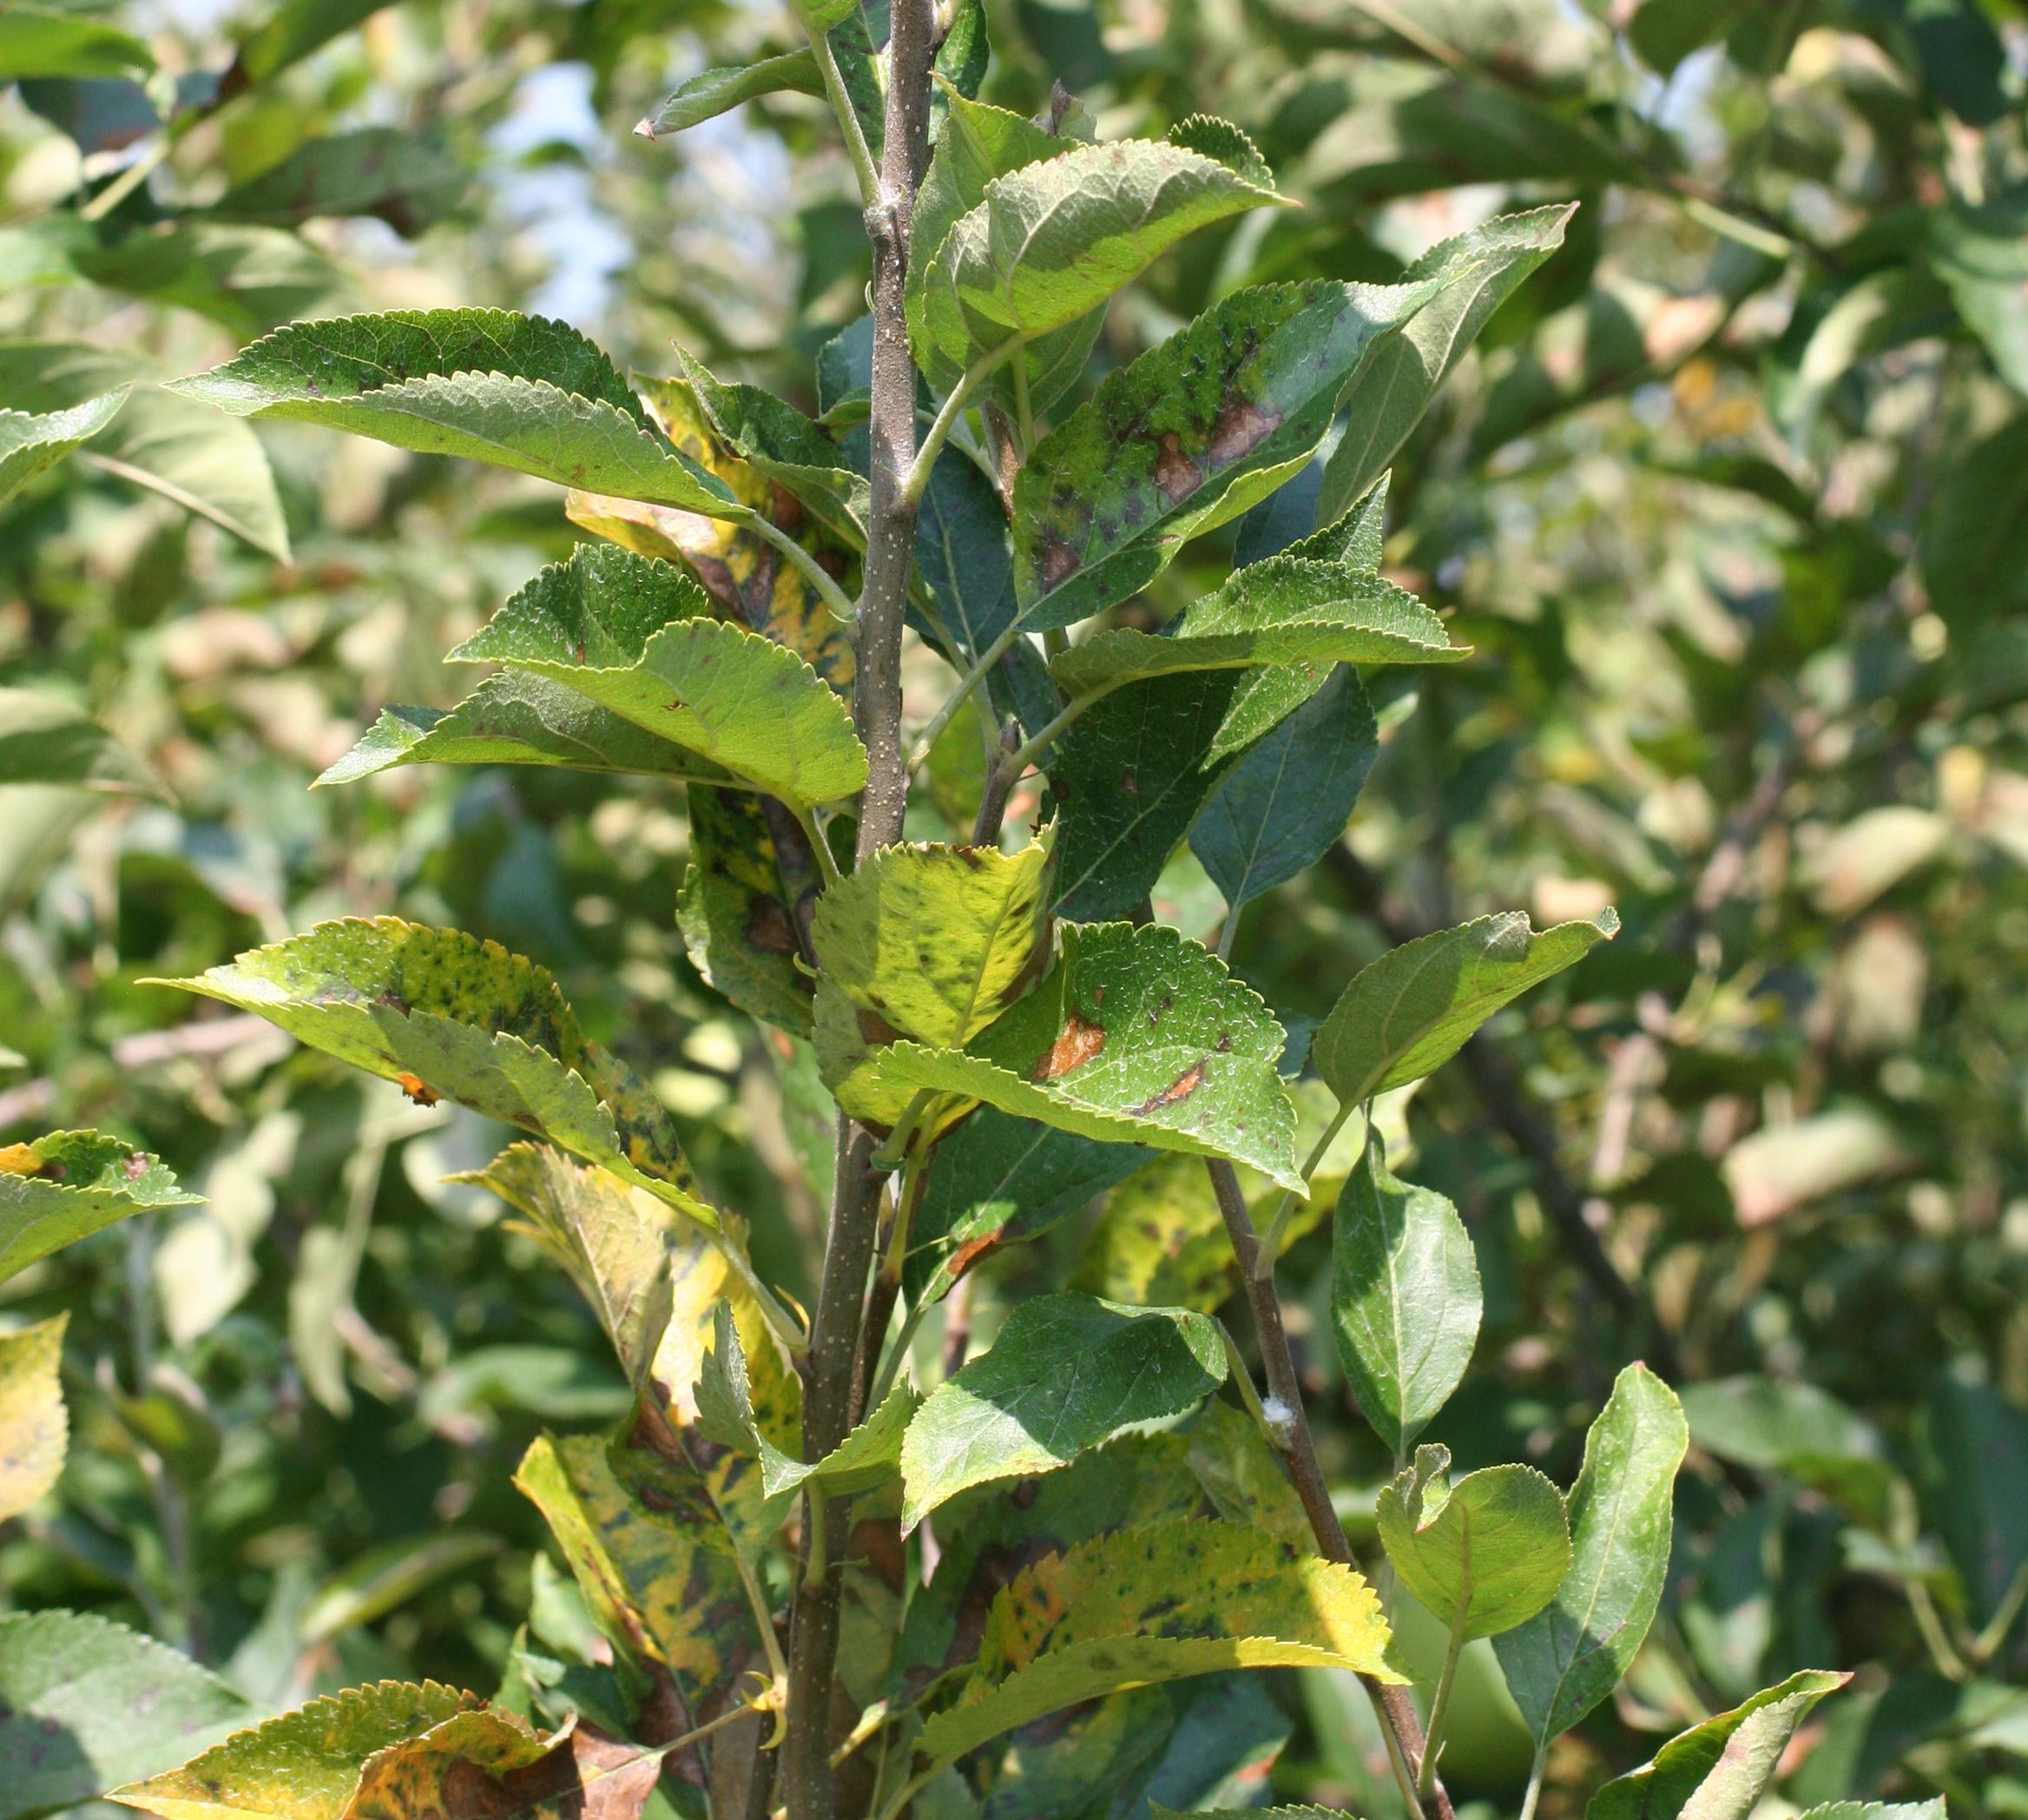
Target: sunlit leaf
56 41
1135 1036
386 1578
1416 1007
70 1184
1405 1298
639 638
301 1766
748 893
31 444
487 1761
713 92
1156 1603
1066 1373
518 391
86 1704
1569 1656
291 32
1484 1554
1717 1770
34 1427
447 1016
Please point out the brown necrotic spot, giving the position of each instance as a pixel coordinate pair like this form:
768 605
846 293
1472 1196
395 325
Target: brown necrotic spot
1059 562
1076 1045
768 928
1175 472
873 1028
1241 427
1181 1087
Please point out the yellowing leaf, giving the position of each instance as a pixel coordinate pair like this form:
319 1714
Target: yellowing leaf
301 1766
1156 1604
488 1766
34 1429
448 1016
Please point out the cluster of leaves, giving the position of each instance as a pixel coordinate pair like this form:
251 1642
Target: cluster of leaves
1823 633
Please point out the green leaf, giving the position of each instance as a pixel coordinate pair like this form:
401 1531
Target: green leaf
1405 1297
1135 1036
1484 1556
1796 1428
1878 1810
1161 1812
1717 1770
45 739
385 1579
1156 1603
655 1564
86 1704
998 1180
1284 804
291 32
713 92
1977 1450
869 1456
301 1766
1664 32
777 441
1568 1658
1192 434
977 144
1414 1008
448 1016
246 278
1285 612
488 1762
34 1428
52 41
1160 1241
516 719
1052 241
187 452
1066 1374
519 391
407 182
70 1184
612 1239
749 893
638 638
1472 275
31 444
928 942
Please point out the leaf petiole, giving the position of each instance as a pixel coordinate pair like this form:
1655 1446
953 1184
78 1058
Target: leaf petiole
952 409
933 729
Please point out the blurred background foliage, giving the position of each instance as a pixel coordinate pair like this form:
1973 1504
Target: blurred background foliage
1732 500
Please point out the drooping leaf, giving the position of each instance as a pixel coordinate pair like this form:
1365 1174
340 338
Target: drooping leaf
86 1704
1284 804
518 391
996 1180
408 183
39 41
488 1762
1484 1554
1189 436
514 718
777 441
638 637
748 894
448 1016
1566 1659
44 740
303 1765
655 1564
1717 1770
1414 1008
1472 275
31 444
1156 1603
35 1430
1067 1373
1135 1036
190 454
1052 240
613 1240
70 1184
870 1455
713 92
1284 612
977 144
928 942
1405 1297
